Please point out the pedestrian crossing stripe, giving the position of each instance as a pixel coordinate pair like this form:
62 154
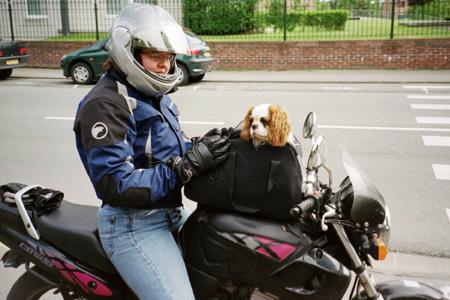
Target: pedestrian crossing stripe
441 172
433 120
431 106
427 87
443 141
429 97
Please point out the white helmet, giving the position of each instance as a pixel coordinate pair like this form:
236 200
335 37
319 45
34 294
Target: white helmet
143 26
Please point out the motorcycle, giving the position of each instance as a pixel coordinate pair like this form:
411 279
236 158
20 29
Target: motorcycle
325 250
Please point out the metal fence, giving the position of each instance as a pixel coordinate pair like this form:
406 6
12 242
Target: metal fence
235 20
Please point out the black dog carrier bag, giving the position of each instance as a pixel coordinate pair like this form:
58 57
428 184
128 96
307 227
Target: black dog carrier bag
263 180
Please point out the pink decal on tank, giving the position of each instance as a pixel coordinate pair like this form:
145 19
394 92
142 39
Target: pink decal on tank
264 252
282 250
279 250
100 289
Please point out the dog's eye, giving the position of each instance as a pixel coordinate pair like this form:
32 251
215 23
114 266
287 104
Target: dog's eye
264 122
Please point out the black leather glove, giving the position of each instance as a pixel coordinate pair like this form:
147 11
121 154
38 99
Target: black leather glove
207 153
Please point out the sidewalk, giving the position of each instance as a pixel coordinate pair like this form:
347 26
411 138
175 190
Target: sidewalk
300 76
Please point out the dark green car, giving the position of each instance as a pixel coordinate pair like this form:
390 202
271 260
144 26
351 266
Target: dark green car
85 65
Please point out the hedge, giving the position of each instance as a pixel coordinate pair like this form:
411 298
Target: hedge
327 19
210 17
434 9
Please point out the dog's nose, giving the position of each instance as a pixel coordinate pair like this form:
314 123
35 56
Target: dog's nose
254 126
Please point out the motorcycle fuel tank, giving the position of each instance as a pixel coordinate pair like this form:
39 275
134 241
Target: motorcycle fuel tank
275 256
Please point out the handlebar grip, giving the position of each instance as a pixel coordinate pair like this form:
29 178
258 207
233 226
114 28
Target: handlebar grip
303 207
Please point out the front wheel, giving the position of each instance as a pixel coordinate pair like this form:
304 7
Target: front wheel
30 287
197 78
4 74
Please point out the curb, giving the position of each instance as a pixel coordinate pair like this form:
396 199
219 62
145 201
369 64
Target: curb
289 77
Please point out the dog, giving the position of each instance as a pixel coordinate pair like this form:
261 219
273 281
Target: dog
267 124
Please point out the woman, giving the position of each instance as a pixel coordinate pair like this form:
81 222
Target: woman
131 144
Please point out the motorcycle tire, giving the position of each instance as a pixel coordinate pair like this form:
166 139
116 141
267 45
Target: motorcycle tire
30 287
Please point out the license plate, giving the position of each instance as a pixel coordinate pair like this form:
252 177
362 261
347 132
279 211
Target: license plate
12 62
207 54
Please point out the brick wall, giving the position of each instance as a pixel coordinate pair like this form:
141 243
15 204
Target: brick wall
382 54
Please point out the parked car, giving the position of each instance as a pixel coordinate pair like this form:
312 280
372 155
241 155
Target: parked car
13 54
85 65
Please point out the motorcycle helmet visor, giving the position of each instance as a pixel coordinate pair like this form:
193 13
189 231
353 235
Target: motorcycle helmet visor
165 37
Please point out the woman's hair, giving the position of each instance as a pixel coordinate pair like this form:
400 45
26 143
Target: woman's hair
108 64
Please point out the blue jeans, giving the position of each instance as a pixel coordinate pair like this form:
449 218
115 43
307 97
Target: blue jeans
140 244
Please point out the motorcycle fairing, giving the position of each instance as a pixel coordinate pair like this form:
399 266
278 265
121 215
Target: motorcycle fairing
225 246
368 204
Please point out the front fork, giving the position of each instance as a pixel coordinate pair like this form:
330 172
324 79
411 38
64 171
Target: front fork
359 268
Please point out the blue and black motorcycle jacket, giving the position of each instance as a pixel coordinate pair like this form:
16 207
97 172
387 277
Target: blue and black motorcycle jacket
124 138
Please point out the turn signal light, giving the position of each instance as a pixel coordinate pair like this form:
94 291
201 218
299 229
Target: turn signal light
382 250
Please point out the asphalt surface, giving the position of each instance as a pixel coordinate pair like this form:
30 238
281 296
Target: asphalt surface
432 268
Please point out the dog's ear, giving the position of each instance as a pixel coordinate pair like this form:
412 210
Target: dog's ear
279 126
245 131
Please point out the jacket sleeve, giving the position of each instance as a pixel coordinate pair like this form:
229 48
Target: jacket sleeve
105 131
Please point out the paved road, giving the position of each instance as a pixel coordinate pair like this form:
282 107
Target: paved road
398 133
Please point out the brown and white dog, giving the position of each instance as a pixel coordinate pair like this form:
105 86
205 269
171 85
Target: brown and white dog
267 124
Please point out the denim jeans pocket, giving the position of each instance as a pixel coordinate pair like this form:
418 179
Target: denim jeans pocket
106 227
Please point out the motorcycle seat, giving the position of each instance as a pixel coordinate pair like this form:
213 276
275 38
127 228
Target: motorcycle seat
72 228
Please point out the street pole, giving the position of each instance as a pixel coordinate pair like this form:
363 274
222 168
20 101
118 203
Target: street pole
64 17
97 35
285 21
10 20
392 19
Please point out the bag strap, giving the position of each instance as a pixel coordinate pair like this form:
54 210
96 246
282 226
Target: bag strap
272 184
232 156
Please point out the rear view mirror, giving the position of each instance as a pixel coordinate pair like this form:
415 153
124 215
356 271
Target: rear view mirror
309 127
317 155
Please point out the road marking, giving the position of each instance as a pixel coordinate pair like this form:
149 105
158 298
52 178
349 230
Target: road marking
436 140
2 245
75 86
441 172
384 128
338 88
181 122
448 213
433 120
24 83
429 97
60 118
201 123
430 106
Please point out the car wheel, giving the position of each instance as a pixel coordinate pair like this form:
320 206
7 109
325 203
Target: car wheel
197 78
81 73
4 74
183 75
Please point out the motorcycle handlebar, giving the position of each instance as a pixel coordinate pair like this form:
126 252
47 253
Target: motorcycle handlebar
303 207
